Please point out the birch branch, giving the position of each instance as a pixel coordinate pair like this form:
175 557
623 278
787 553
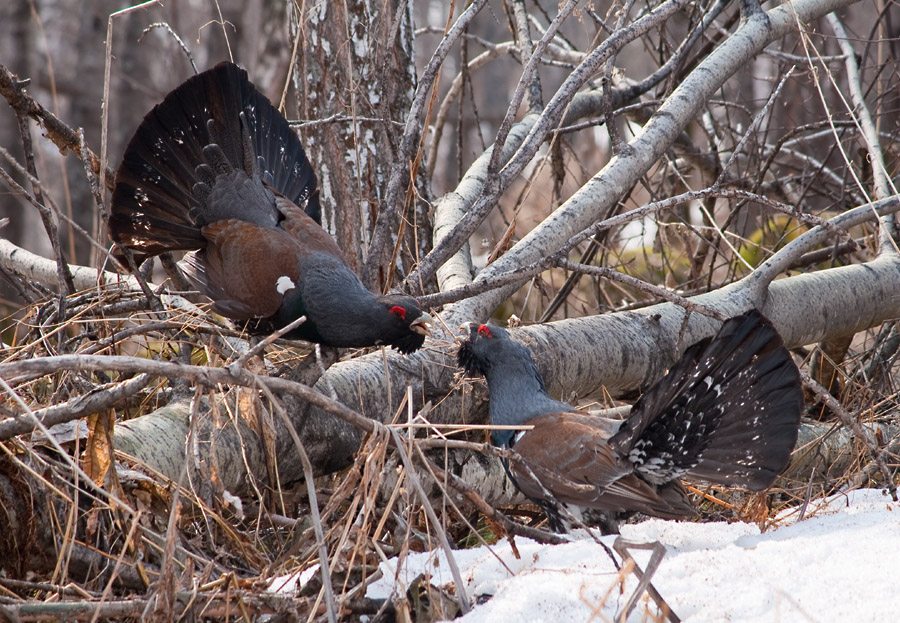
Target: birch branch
390 208
884 186
597 195
449 242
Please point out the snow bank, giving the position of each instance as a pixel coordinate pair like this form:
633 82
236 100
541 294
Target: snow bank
840 564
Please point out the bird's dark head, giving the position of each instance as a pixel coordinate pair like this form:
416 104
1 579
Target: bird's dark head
474 354
405 325
517 389
488 346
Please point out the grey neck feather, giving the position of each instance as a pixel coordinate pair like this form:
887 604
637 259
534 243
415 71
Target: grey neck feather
517 391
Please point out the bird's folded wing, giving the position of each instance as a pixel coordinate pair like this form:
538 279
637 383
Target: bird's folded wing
305 230
572 461
247 262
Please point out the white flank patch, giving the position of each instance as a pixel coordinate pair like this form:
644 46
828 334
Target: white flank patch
284 284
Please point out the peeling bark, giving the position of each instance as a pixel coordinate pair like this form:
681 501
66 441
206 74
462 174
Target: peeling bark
356 67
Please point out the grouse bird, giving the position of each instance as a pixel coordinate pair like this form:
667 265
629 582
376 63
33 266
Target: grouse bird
216 170
728 412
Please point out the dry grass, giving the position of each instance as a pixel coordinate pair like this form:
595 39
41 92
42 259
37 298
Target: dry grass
133 543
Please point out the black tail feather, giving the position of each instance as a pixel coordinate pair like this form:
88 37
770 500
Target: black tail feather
752 446
155 207
727 412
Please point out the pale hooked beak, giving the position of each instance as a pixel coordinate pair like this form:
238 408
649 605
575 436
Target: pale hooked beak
422 324
465 331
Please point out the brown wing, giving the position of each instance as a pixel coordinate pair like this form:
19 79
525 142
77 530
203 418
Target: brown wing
571 459
243 264
308 233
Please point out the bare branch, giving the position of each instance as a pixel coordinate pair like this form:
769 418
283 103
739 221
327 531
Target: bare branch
647 147
447 243
13 90
390 207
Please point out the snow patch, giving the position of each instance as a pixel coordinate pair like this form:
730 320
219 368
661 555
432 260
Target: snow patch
836 565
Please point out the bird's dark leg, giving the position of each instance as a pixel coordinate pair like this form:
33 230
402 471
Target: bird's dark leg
560 517
606 521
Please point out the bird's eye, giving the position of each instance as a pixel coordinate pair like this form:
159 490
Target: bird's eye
399 312
484 331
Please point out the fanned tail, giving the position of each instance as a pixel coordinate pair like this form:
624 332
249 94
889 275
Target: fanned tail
215 135
727 412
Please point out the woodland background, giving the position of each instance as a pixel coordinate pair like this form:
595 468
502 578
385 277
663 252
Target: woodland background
657 159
